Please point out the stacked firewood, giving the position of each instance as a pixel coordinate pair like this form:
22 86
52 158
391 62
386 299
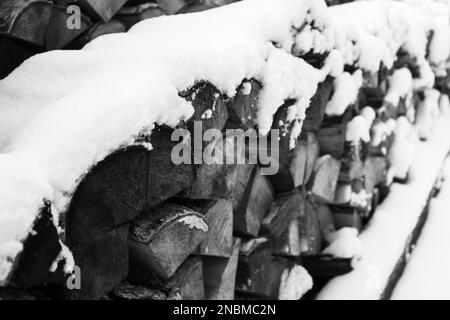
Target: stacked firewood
141 227
29 27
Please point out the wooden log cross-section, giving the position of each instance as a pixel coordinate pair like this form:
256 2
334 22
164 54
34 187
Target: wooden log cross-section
162 238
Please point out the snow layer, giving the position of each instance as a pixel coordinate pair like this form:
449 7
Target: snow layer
385 237
344 244
426 276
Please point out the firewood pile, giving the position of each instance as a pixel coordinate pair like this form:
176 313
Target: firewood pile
143 228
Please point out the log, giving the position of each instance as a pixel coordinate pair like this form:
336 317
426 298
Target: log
325 177
124 185
130 15
243 107
219 274
296 166
310 230
186 283
97 9
58 35
103 265
288 244
252 200
162 238
316 111
346 217
259 273
40 249
284 210
217 180
219 217
26 20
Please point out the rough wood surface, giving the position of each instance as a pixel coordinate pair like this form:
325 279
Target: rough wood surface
325 177
251 203
25 19
162 238
98 9
103 264
219 274
186 283
124 185
259 273
219 217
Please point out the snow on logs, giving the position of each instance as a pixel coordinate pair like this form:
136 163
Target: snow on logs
126 211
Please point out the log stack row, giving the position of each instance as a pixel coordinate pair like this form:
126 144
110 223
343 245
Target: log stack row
141 227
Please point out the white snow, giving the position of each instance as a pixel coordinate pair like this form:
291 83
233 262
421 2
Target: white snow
385 237
344 244
295 282
401 154
346 87
194 222
358 129
400 84
427 276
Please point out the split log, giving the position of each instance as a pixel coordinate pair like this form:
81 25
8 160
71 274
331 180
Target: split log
219 274
123 185
58 34
130 15
164 237
243 107
186 283
284 210
40 249
103 264
25 19
325 177
216 179
97 9
259 273
316 111
264 276
310 232
252 200
346 217
13 52
296 166
219 217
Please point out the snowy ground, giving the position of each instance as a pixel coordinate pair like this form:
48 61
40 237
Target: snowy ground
385 238
427 274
